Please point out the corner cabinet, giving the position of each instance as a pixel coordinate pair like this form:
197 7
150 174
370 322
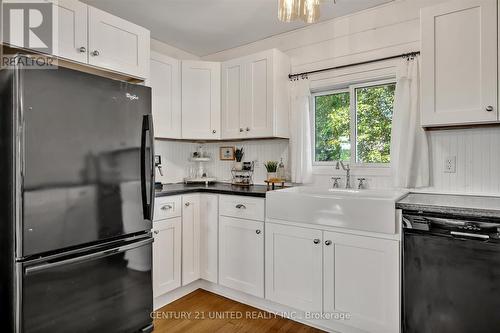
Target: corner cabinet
165 82
255 97
201 100
459 63
190 238
209 236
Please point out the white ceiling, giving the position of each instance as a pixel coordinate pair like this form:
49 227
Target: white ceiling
203 27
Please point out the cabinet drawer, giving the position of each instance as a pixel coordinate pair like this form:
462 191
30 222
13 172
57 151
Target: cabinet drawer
167 207
242 207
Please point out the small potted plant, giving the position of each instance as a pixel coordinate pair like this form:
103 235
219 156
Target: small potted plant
238 155
271 167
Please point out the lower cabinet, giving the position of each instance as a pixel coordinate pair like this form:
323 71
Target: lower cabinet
209 235
294 266
321 271
166 255
241 255
190 238
361 278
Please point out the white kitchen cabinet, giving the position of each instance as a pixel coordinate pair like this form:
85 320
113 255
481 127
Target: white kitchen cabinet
361 277
166 255
71 42
294 266
201 115
459 63
117 44
241 255
209 235
255 98
165 82
190 238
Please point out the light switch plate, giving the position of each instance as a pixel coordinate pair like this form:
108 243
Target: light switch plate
450 164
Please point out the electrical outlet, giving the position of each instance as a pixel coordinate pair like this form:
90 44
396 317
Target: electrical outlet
450 164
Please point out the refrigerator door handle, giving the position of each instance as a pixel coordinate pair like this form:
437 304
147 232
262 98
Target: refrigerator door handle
146 204
101 254
151 169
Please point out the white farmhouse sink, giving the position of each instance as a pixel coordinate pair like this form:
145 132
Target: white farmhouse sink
366 210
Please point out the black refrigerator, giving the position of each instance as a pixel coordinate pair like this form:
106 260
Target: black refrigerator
76 202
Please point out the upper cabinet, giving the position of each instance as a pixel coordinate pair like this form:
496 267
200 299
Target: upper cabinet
255 98
117 44
165 82
459 63
91 36
201 100
72 35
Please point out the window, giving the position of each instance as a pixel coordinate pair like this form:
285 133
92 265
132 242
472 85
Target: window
354 124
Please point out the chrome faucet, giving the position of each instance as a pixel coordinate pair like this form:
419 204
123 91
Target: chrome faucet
347 169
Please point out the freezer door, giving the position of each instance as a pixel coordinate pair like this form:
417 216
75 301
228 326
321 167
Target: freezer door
87 159
107 291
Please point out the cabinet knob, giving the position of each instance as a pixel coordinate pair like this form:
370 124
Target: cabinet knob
156 232
489 108
316 241
82 49
187 204
328 243
258 232
214 131
95 53
241 130
248 129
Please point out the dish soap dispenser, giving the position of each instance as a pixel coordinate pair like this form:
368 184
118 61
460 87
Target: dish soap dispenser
280 172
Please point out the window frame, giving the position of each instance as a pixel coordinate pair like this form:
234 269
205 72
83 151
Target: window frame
351 89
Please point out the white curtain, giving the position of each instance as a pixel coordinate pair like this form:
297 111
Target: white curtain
300 132
409 146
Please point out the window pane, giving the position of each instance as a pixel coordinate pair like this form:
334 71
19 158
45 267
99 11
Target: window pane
332 127
374 108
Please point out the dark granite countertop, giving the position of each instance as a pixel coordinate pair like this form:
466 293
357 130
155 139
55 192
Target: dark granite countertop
219 188
458 205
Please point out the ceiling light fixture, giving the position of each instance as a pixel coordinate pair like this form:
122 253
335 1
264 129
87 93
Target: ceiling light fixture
305 10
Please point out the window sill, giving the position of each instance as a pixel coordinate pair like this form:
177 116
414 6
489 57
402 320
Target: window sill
356 170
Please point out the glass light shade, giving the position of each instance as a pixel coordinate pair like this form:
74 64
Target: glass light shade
289 10
310 11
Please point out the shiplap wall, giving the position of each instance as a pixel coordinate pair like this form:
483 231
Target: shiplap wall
176 164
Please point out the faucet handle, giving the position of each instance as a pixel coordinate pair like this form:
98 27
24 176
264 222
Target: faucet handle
336 181
361 184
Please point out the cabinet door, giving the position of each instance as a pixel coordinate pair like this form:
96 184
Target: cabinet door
241 255
71 42
294 265
259 108
459 63
233 99
201 100
117 44
190 238
209 235
361 277
165 82
166 256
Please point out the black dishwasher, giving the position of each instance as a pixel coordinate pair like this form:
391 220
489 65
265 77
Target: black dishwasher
451 275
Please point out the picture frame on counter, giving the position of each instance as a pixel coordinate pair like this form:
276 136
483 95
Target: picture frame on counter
226 153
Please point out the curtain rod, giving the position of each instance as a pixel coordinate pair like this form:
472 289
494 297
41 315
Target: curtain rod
304 75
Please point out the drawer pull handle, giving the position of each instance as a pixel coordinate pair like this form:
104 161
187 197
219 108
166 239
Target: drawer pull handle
258 232
166 207
240 206
316 241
